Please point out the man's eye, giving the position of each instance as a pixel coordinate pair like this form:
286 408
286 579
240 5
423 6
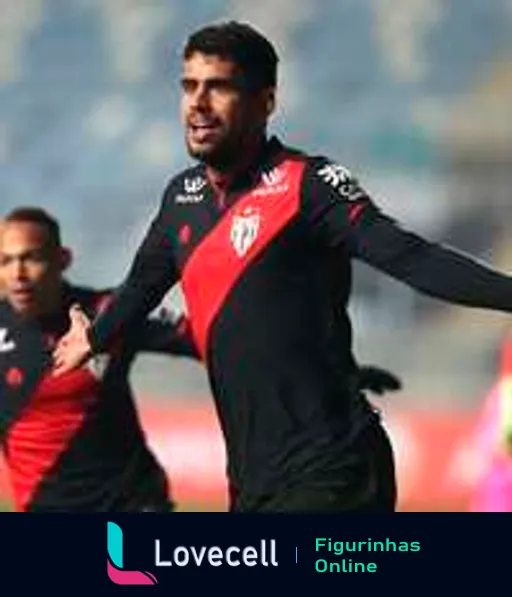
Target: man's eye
225 85
35 258
188 86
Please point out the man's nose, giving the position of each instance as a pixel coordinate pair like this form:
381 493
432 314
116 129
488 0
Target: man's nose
200 98
19 271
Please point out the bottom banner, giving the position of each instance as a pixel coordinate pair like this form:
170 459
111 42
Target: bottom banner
200 554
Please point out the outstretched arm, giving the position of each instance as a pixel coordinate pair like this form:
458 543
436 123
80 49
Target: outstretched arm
342 213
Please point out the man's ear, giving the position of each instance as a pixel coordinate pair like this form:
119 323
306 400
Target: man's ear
270 100
65 257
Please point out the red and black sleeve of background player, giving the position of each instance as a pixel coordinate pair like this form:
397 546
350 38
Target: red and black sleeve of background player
165 332
342 214
21 369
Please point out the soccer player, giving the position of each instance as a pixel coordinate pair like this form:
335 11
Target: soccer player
492 443
71 443
262 237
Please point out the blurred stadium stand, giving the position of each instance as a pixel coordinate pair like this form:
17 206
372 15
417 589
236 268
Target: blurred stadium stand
413 95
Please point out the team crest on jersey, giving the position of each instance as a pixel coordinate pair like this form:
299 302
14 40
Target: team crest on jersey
244 230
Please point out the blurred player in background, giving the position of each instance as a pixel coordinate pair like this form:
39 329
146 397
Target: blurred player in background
492 443
262 237
75 443
72 443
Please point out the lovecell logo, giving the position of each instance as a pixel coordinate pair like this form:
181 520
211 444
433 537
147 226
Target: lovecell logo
116 573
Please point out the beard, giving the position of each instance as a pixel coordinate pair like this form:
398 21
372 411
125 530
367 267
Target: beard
223 151
221 155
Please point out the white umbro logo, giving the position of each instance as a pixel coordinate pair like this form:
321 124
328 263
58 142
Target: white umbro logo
192 188
274 182
6 345
194 185
273 177
196 198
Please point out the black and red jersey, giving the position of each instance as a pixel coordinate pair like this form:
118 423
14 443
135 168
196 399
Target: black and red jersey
265 264
74 442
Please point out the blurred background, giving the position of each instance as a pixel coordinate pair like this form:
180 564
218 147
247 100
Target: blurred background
414 96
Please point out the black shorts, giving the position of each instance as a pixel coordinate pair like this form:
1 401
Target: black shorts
149 494
365 483
155 504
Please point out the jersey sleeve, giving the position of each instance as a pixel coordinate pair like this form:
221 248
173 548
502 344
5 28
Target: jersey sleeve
340 213
151 275
333 202
167 333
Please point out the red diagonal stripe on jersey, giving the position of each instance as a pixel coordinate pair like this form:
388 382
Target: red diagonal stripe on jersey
45 428
354 211
240 236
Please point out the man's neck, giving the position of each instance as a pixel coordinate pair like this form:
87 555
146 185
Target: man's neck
56 307
222 178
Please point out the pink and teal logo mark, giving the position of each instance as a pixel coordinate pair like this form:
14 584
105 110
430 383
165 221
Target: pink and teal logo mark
115 568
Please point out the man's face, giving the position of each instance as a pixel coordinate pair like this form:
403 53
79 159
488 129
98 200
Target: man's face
219 114
30 268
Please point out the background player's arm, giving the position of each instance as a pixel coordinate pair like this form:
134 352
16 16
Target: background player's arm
167 333
374 379
341 213
377 380
152 274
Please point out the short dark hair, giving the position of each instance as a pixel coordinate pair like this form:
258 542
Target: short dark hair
37 215
242 44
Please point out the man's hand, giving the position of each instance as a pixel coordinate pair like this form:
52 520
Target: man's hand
73 349
376 380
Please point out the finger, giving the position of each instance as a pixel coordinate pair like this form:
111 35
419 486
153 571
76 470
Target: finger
78 317
59 368
58 362
64 362
62 343
59 354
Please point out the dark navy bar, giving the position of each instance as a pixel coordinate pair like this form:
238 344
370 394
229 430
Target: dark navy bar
445 553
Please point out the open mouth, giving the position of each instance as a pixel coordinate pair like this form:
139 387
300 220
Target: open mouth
202 131
22 295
